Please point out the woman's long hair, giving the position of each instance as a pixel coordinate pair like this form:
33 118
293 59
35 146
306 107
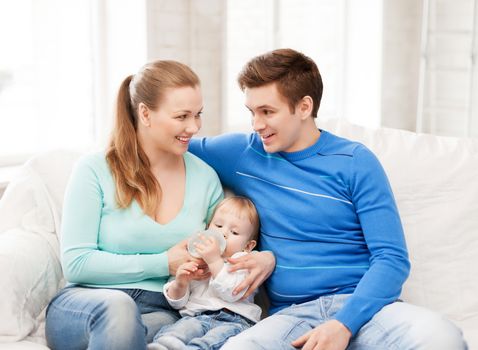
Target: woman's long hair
128 162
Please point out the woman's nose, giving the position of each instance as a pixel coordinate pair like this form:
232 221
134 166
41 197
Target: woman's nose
193 126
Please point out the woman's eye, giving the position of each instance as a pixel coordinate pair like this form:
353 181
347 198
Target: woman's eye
181 117
198 116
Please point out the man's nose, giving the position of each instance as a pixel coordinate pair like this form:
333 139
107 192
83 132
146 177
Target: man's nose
257 123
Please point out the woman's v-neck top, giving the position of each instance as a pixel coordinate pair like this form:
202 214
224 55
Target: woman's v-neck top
107 246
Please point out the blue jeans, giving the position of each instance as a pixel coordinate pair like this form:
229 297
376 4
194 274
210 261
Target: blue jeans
398 326
93 318
204 331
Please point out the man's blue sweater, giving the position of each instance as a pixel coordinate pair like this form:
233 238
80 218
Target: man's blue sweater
328 215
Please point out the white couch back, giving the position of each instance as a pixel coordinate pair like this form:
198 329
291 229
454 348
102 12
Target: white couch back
30 212
435 182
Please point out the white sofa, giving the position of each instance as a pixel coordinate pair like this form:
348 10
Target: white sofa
435 181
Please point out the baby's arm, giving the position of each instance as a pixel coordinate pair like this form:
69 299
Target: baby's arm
178 288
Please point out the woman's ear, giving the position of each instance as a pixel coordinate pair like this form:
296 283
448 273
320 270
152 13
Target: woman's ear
305 107
249 246
143 114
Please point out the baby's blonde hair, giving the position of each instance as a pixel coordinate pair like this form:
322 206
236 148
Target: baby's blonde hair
243 208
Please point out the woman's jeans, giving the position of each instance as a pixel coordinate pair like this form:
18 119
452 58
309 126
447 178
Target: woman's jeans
206 331
398 326
93 318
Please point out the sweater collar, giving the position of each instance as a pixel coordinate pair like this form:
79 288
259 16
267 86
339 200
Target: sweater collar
309 151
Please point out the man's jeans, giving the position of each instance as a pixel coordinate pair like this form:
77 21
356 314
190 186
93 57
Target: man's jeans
207 331
81 318
398 326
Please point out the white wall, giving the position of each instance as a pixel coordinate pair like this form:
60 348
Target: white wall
429 78
400 63
216 38
363 62
191 32
120 48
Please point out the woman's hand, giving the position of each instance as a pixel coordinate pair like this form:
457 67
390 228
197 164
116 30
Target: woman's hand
260 266
178 255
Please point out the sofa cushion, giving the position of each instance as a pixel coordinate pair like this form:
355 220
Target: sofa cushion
30 211
435 183
37 191
31 275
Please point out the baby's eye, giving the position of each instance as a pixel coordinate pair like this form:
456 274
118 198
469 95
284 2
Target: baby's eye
235 233
218 225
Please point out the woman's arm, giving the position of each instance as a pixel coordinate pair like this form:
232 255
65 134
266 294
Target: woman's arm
82 259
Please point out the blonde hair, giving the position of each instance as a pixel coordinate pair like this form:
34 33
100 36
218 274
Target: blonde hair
128 162
244 208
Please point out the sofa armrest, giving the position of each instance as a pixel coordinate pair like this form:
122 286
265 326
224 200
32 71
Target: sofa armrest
30 275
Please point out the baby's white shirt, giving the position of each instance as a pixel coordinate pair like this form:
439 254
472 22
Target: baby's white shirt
215 294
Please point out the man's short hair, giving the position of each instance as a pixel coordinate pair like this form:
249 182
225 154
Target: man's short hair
295 74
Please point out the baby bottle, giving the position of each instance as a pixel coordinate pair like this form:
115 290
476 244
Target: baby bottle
206 233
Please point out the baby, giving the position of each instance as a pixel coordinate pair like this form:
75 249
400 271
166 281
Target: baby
211 313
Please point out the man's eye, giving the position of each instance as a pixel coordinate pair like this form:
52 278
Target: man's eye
198 116
181 117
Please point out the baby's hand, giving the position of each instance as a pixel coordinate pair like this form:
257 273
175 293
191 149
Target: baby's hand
208 249
186 272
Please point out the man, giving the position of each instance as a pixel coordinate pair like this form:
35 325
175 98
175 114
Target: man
329 218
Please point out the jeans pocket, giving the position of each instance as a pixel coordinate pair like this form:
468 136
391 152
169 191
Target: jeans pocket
336 303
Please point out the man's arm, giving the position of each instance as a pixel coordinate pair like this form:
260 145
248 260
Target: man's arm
389 265
383 233
221 153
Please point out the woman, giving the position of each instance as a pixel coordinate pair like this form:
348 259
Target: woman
127 213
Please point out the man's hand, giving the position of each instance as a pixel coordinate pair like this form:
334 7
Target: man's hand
260 266
331 335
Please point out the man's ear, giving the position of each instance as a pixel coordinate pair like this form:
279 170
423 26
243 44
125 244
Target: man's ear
305 106
249 246
143 114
